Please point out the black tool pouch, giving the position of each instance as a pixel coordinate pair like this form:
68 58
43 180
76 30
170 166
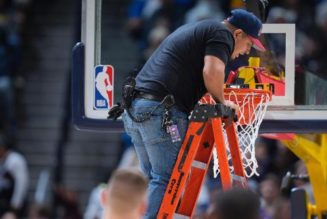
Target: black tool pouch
128 93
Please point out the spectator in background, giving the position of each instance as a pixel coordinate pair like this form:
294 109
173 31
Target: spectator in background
129 156
270 193
283 209
284 159
13 180
236 203
303 11
204 9
12 18
265 151
301 169
156 36
144 15
94 209
125 196
68 200
7 110
39 212
316 60
135 21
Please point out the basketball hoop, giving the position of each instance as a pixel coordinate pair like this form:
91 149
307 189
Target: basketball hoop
253 105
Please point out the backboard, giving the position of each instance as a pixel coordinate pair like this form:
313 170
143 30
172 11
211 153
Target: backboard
300 105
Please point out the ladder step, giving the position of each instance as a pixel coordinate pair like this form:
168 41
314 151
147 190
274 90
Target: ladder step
180 216
199 165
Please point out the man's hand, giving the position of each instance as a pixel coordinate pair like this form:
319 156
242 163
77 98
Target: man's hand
232 105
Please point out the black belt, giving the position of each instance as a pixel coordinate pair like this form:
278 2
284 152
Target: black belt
148 96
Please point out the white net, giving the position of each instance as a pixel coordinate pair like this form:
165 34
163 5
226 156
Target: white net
252 108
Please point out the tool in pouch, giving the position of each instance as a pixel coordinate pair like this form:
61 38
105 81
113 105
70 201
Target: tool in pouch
128 93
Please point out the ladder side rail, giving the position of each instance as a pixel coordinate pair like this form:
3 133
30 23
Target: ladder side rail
235 151
225 173
197 176
181 169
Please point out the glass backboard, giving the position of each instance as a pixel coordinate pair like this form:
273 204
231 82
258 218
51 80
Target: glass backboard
299 103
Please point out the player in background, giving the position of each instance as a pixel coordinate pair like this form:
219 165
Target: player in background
125 195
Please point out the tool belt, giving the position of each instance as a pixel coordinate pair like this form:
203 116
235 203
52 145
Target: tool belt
129 94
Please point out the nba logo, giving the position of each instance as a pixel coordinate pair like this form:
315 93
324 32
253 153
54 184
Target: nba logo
104 87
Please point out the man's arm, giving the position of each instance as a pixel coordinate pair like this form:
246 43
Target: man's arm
214 76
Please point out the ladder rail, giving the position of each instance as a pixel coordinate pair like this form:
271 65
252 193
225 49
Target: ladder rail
225 174
197 174
235 153
181 169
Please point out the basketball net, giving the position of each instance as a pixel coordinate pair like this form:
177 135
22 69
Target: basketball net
253 105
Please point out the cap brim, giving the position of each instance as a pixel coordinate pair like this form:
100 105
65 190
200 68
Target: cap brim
257 44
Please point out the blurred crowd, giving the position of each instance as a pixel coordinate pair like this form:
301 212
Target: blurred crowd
150 21
12 23
14 170
14 174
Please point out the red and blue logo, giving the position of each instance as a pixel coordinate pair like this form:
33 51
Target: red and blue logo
104 87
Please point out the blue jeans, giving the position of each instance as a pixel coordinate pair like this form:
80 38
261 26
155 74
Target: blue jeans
154 147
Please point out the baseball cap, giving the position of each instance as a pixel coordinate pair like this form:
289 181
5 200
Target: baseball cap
249 23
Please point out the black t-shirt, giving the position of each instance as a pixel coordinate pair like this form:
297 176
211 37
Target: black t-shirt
176 67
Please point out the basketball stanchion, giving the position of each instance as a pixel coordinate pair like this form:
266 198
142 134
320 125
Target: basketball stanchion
213 127
312 150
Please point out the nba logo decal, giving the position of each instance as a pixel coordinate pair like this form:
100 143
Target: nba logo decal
104 87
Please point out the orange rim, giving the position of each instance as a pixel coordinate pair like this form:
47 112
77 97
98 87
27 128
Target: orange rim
256 93
239 97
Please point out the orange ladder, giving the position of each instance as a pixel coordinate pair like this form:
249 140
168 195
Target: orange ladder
204 132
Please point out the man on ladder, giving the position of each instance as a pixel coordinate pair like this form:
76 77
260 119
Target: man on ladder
188 63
